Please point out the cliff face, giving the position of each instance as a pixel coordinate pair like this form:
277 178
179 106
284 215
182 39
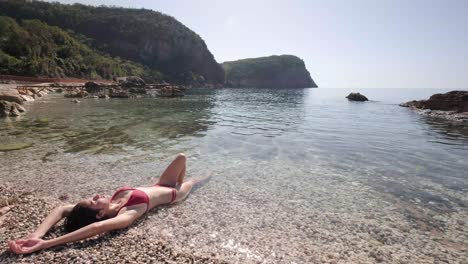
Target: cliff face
157 41
285 71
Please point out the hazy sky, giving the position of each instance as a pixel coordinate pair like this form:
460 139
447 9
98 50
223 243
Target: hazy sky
358 43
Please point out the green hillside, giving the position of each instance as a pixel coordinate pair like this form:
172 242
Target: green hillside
152 39
32 48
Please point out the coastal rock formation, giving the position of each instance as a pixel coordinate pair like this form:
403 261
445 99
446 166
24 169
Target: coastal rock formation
11 95
132 81
92 87
357 97
285 71
10 109
452 101
77 94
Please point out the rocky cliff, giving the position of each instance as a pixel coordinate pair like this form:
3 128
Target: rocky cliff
159 42
285 71
452 101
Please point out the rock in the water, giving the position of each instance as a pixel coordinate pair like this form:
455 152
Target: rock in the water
357 97
75 101
452 101
132 81
103 96
27 98
17 146
79 94
14 112
10 109
20 108
11 95
170 91
119 93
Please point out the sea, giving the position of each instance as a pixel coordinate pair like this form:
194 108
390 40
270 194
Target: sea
299 175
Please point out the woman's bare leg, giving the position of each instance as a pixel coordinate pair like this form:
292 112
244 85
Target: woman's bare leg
175 172
189 185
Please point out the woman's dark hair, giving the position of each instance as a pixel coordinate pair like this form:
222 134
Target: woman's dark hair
80 216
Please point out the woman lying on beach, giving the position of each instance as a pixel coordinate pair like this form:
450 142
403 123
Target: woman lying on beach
101 214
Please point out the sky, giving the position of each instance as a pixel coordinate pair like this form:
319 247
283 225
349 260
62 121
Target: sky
344 44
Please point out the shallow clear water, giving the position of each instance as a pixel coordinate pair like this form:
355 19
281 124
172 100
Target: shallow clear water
267 147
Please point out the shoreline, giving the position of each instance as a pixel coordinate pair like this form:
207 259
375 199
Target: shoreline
440 114
353 222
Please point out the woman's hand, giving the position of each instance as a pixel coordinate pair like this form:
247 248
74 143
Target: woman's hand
26 246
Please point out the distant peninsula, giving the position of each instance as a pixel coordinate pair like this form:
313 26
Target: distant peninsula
285 71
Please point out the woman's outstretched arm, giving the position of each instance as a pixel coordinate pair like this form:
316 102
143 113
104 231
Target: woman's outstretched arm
34 244
54 216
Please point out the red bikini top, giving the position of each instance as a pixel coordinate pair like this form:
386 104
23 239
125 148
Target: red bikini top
137 197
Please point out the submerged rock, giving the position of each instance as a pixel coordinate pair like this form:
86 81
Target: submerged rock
17 146
10 109
357 97
27 98
452 101
79 94
170 91
119 94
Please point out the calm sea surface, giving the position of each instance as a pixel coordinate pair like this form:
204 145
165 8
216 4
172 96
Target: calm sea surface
265 146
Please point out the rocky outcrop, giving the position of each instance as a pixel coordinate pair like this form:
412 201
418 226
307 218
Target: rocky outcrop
456 101
357 97
10 109
285 71
132 81
11 95
77 94
170 91
93 87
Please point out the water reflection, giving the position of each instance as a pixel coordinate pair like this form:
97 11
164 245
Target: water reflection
96 126
449 132
259 112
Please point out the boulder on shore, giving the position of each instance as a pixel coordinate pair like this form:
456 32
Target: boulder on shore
357 97
119 94
132 81
77 94
452 101
11 95
93 87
